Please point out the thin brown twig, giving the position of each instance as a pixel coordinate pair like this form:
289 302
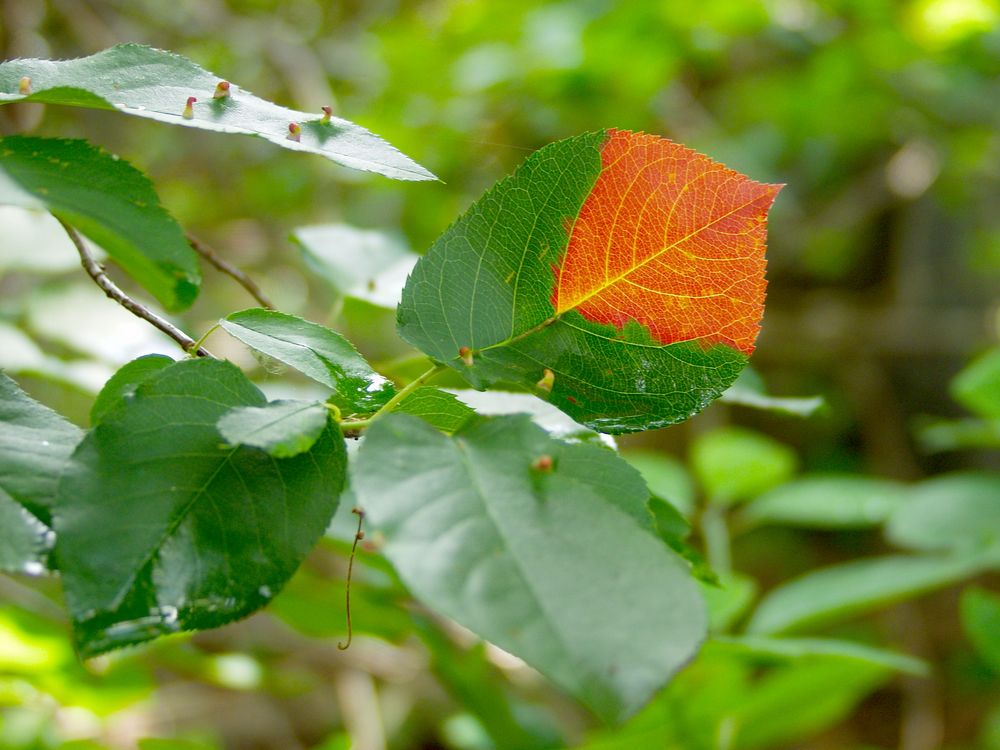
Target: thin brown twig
230 270
350 572
96 272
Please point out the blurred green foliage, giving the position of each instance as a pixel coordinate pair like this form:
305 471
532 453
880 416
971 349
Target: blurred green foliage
884 263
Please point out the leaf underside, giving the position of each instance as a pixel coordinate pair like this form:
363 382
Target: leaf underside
629 267
532 559
146 82
162 527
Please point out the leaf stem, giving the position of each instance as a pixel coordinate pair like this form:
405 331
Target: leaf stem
350 574
112 290
199 342
230 270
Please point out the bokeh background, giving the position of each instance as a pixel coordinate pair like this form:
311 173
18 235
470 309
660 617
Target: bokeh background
883 118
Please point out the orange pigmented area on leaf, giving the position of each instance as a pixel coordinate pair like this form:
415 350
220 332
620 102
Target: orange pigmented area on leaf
670 239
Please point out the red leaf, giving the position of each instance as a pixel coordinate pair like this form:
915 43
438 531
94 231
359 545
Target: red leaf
671 239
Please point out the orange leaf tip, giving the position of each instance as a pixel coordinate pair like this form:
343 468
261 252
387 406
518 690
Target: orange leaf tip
672 240
294 132
465 354
189 107
327 114
221 90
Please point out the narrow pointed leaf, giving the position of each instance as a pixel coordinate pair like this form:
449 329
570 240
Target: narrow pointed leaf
146 82
281 428
842 591
750 390
162 527
315 351
793 649
828 502
109 201
958 512
618 274
528 555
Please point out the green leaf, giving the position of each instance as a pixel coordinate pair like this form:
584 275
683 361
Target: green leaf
162 528
35 444
728 600
956 434
981 621
951 512
110 202
841 591
734 465
794 649
750 390
802 699
977 387
281 428
24 540
123 383
363 263
481 533
827 502
666 476
315 351
487 285
436 407
146 82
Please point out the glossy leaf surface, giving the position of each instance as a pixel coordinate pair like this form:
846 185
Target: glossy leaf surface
315 351
110 202
139 80
162 527
629 267
485 536
845 590
281 428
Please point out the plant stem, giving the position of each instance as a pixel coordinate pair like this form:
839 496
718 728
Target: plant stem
393 402
199 342
715 534
96 272
232 271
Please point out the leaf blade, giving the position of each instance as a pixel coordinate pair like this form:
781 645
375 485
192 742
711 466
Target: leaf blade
110 202
146 82
497 549
280 428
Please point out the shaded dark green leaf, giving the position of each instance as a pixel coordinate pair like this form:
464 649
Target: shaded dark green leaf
436 407
981 621
162 528
110 202
124 382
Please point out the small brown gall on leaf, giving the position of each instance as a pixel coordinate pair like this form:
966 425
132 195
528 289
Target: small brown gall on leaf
327 114
294 132
543 463
188 112
466 355
547 381
24 85
221 90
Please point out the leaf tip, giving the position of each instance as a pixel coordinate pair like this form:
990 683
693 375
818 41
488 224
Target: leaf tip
221 90
327 114
24 86
294 132
188 112
547 381
465 354
543 464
